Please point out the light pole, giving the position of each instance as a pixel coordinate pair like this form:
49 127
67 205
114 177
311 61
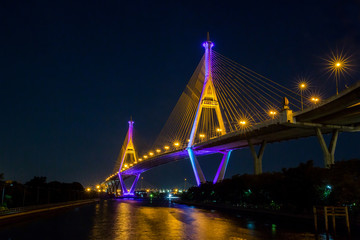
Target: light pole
302 86
338 67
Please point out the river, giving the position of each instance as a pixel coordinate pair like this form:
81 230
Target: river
146 219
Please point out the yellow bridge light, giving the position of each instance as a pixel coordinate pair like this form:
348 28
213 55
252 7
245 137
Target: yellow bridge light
176 144
166 147
131 164
145 156
151 153
202 135
158 150
126 165
88 189
242 122
315 100
272 113
97 186
218 130
140 159
302 85
338 64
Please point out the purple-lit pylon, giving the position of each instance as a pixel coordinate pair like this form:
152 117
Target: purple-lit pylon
220 174
128 149
208 99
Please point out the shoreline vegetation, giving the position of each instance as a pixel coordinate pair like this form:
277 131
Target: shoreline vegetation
291 193
38 192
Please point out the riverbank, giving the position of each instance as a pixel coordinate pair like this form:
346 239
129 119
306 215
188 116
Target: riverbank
263 213
18 214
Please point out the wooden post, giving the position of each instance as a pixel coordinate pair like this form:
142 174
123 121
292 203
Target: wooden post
347 220
315 218
326 219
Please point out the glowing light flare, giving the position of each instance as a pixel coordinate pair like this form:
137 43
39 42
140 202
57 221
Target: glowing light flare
158 150
338 64
151 153
201 135
176 144
272 113
126 166
242 122
166 147
97 186
140 159
315 99
302 85
88 189
145 156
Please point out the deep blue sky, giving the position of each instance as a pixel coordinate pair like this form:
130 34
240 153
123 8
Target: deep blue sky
73 72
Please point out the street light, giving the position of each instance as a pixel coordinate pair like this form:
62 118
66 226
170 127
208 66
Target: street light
315 100
302 87
272 113
338 64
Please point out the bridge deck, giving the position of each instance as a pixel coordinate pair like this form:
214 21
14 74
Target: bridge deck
340 112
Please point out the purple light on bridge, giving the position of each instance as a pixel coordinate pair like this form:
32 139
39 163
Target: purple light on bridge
222 168
192 160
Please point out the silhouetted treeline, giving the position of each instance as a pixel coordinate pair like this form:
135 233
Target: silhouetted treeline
294 190
38 191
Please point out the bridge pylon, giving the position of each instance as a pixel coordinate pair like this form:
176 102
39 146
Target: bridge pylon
128 157
208 99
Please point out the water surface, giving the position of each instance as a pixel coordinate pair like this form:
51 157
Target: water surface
141 219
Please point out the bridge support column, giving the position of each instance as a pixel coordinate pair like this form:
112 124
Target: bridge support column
329 152
111 186
199 175
257 156
220 174
133 186
124 191
116 184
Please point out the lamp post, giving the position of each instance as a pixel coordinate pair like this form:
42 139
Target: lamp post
272 114
338 68
302 87
315 100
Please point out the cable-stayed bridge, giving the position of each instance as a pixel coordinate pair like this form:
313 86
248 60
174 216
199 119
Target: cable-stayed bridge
226 106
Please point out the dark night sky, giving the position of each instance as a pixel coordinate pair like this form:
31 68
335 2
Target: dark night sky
73 72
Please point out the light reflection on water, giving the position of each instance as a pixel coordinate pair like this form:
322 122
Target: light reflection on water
131 219
136 219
